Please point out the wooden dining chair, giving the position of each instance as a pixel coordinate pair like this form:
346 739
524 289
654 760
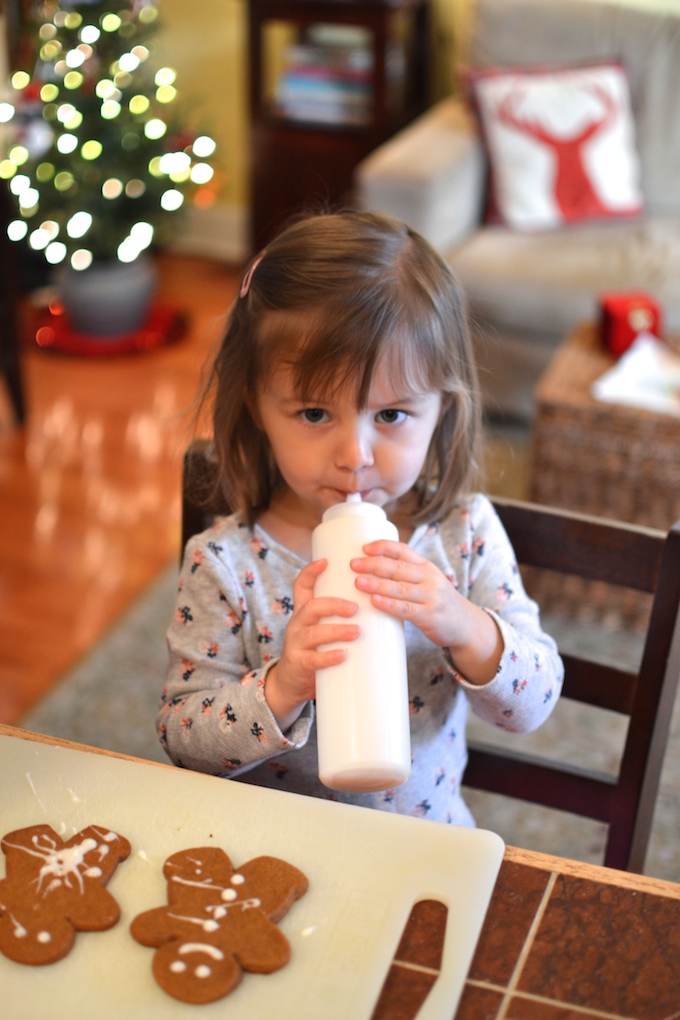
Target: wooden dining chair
621 554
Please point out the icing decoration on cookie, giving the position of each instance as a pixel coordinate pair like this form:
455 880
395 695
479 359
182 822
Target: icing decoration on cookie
218 922
55 888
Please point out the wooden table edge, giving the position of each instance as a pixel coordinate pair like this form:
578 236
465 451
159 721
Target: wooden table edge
593 872
42 738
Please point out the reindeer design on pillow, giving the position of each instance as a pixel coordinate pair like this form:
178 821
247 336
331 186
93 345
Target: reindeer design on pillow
574 191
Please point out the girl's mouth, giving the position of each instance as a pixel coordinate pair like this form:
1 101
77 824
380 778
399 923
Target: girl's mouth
364 493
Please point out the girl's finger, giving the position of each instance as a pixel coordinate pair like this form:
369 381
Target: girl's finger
393 551
318 609
388 589
303 586
309 574
401 608
389 569
312 660
328 657
332 633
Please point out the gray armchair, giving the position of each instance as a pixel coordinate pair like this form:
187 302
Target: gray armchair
527 290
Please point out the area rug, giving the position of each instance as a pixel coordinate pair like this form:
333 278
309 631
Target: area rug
109 700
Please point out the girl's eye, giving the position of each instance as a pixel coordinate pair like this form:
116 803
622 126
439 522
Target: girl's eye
313 415
391 416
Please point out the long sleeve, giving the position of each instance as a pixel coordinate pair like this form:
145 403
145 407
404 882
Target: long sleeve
529 677
226 633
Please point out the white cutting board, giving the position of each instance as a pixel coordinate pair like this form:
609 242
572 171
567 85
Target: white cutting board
366 869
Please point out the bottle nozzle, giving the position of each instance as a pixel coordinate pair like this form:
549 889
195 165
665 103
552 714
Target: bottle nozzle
354 506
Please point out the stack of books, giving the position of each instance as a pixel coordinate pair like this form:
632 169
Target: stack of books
326 83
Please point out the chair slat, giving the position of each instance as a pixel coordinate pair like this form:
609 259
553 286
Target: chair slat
528 777
599 685
589 547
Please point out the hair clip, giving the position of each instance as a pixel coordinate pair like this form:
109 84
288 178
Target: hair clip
245 286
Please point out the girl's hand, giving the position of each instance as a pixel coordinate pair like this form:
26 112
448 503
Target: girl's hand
406 585
292 681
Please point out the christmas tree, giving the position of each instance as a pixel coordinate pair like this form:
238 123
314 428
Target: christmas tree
99 161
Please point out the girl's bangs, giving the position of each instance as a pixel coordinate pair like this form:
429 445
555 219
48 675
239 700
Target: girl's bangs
333 349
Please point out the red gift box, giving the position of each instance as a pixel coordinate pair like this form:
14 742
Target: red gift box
626 315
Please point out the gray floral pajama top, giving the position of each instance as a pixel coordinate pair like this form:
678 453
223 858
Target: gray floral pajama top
233 603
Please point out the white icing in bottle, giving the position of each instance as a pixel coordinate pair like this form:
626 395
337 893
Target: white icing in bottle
363 732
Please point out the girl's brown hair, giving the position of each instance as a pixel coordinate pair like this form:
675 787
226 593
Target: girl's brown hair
359 286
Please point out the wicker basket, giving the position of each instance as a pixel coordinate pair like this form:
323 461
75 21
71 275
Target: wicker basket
605 459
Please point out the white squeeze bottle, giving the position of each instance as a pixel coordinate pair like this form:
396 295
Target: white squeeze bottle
363 734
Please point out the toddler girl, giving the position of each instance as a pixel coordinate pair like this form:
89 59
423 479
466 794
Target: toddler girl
346 367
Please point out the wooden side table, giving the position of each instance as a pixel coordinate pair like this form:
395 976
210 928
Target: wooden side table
601 458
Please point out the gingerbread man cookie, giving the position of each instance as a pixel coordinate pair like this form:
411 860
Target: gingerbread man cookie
55 888
218 923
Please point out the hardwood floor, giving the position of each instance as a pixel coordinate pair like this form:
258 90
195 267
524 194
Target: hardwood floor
90 487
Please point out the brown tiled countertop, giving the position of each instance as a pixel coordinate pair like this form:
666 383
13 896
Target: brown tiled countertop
575 943
561 941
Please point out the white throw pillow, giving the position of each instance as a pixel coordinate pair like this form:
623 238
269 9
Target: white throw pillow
560 143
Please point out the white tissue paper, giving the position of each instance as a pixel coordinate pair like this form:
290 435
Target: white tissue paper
646 376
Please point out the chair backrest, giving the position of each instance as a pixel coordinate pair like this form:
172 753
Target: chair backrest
601 550
629 556
200 503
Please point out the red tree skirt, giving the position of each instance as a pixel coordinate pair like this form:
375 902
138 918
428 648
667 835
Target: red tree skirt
51 330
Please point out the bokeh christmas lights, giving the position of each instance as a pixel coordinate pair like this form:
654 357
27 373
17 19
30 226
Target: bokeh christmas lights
99 162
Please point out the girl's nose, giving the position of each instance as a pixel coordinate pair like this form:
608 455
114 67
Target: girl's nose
354 450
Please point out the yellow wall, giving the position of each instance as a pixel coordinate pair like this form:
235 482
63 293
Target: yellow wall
206 44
